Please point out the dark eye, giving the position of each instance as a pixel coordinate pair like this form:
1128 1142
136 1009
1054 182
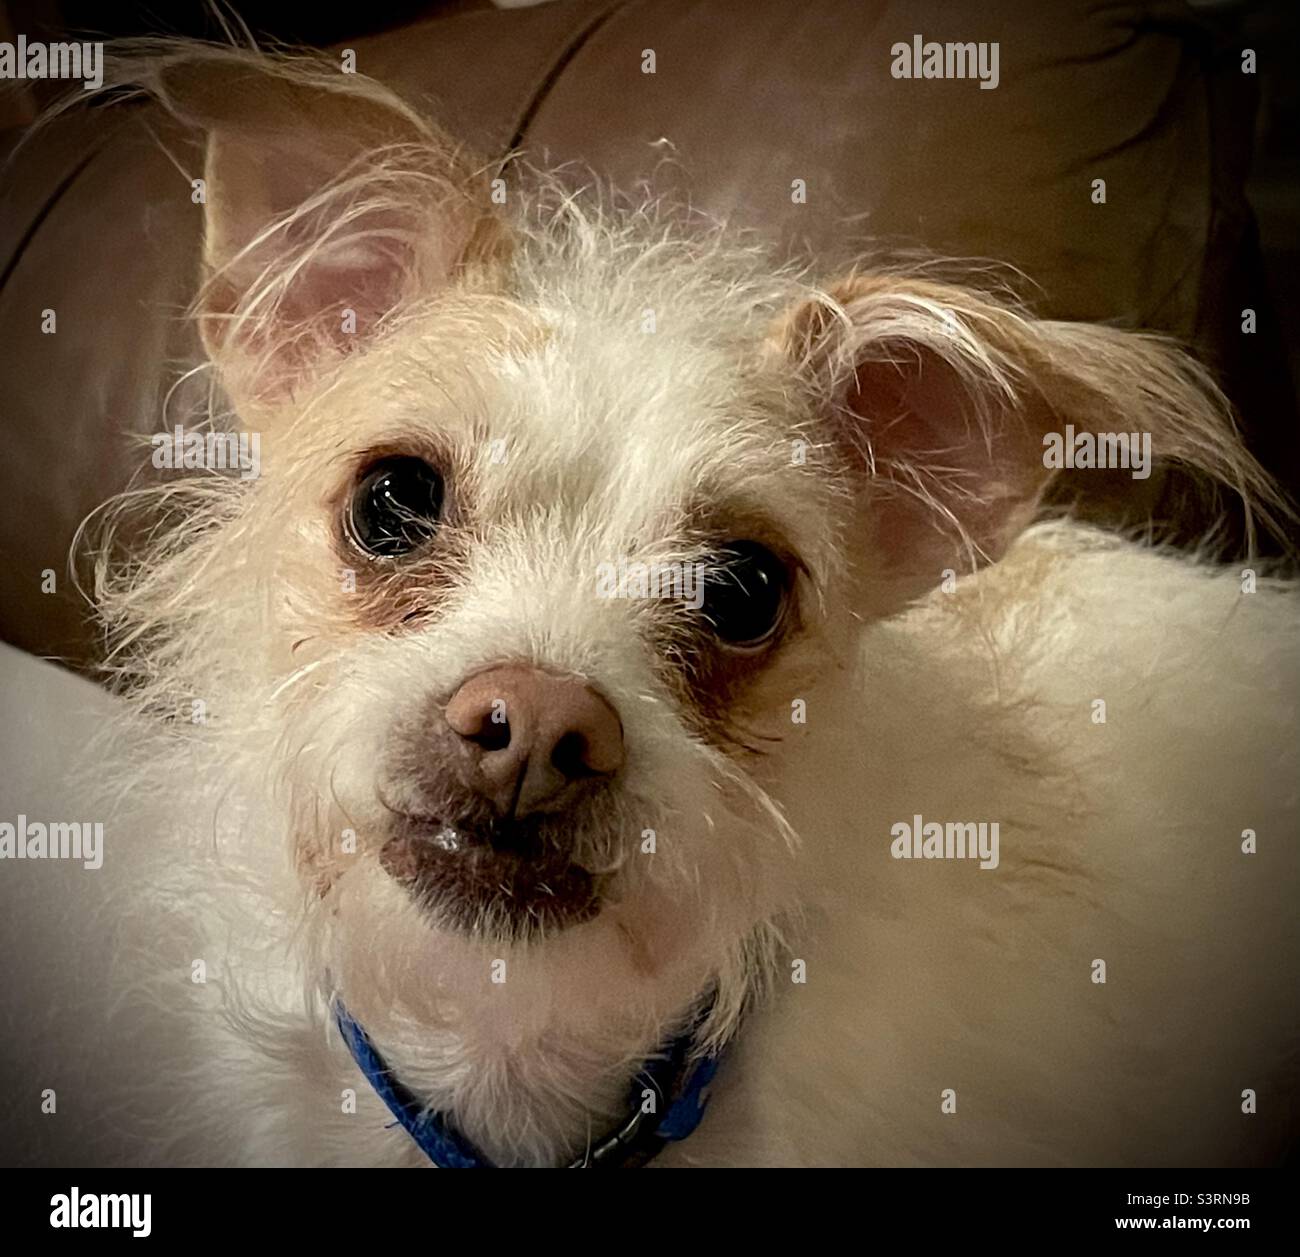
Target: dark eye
395 506
745 588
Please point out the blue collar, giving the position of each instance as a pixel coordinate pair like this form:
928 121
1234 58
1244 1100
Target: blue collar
675 1081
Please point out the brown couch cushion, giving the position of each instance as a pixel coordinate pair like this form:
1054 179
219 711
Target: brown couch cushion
98 224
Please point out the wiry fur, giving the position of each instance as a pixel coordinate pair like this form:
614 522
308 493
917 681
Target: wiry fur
1119 841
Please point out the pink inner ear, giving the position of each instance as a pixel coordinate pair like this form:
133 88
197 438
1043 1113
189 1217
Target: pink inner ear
938 468
901 410
272 324
278 301
367 268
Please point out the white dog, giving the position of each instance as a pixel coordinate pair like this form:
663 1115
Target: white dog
639 711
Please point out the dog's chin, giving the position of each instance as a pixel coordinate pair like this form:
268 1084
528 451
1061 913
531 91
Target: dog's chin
527 889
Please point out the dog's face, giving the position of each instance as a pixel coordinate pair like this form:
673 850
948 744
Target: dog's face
550 589
547 589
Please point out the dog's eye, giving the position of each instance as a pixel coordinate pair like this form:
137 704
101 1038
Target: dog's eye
745 589
395 506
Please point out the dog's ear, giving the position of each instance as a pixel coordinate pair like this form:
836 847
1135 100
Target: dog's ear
328 204
939 400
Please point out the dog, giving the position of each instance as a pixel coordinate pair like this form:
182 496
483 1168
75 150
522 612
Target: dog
642 713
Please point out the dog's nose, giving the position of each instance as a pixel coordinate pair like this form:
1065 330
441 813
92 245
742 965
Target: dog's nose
532 737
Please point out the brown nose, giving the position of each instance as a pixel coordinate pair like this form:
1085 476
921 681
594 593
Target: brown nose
532 737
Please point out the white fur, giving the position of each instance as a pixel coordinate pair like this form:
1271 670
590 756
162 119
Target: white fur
1119 841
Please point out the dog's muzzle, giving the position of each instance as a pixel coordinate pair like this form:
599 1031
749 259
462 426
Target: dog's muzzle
519 754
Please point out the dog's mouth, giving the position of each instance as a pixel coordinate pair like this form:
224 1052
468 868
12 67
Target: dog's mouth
491 878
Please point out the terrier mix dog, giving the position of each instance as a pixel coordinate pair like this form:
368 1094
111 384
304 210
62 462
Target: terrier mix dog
647 715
